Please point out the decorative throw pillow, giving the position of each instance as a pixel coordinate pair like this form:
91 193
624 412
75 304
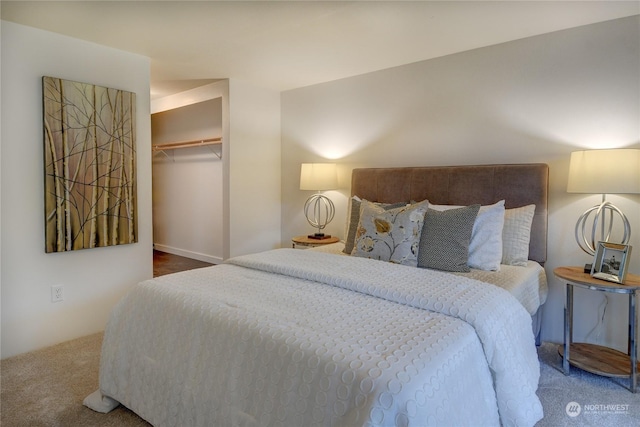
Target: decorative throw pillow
389 235
354 219
516 235
485 248
444 244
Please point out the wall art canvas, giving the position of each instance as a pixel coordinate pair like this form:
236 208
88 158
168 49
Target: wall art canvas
90 165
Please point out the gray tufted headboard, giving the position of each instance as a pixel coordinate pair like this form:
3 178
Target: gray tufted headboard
517 184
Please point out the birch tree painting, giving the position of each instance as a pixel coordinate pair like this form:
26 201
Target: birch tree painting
90 165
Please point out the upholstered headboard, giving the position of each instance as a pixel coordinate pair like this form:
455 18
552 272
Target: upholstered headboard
519 185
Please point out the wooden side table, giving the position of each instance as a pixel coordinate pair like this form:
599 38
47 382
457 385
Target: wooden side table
304 242
593 358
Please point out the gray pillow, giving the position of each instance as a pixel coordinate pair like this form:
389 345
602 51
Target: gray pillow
354 219
444 243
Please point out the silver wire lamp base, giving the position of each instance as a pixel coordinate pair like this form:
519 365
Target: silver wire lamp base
588 242
319 211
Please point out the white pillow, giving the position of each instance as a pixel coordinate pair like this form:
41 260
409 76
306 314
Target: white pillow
516 235
485 248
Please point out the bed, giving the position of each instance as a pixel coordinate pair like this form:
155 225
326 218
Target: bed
315 337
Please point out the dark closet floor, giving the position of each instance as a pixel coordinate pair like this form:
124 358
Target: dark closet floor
165 263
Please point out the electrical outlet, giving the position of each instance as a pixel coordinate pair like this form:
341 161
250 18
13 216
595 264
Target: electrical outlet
57 293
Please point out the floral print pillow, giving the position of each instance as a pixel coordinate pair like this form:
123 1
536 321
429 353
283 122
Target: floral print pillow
390 235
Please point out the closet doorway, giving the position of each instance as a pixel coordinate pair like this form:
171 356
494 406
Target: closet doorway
187 175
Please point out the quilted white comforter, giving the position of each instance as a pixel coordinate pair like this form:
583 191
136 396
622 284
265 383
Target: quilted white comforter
300 338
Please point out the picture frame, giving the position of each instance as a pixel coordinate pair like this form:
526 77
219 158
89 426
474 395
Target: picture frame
611 262
90 177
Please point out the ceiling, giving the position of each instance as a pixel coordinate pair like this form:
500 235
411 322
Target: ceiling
284 45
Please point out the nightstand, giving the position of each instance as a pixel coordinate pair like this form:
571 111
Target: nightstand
593 358
304 242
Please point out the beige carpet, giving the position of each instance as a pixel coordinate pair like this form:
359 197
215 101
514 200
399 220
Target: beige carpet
46 388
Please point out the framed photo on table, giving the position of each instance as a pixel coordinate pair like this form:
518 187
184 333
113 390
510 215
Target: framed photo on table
611 262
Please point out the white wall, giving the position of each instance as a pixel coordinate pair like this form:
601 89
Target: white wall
532 100
252 197
93 279
187 183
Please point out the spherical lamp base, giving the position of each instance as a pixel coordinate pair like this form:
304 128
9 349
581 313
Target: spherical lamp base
319 211
588 242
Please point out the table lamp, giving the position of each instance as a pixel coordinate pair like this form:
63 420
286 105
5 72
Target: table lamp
319 209
615 171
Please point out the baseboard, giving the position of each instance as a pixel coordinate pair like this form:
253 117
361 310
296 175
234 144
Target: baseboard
188 254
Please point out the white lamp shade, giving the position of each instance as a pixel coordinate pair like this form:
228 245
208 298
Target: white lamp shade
318 176
615 171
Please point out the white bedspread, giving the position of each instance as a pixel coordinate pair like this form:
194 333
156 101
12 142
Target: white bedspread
527 283
290 337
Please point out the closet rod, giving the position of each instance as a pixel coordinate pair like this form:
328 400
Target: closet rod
185 144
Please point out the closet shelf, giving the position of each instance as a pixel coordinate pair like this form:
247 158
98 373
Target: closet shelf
188 144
